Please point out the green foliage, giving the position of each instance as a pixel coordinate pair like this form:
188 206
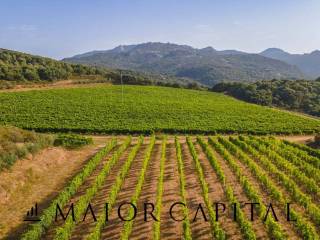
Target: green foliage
72 141
298 95
16 143
314 157
307 183
296 156
16 66
144 109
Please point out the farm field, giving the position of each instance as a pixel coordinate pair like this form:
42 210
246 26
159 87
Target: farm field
190 170
144 109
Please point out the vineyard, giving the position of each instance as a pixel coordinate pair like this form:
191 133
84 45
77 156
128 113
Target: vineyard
216 178
143 110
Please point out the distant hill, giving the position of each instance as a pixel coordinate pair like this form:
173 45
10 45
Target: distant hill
17 67
308 63
207 65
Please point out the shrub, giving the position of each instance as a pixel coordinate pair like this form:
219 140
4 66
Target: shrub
16 143
72 141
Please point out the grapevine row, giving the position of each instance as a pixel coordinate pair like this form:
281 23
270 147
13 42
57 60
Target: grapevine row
244 224
312 156
101 222
289 185
304 228
311 151
157 224
290 154
47 217
274 229
186 224
298 177
65 231
128 225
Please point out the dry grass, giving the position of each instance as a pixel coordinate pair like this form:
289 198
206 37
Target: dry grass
16 143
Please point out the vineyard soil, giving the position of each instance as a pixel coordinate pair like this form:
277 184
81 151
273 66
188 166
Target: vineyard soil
169 228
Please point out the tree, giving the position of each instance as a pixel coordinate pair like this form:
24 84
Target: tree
30 74
317 139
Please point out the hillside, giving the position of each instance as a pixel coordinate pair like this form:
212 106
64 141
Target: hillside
309 63
17 67
144 109
207 65
301 95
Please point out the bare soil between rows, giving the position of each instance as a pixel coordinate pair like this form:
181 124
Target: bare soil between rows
54 167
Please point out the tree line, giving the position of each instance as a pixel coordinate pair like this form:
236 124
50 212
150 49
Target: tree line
296 95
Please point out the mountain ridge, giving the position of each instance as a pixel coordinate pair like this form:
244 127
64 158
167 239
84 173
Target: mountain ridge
206 65
309 63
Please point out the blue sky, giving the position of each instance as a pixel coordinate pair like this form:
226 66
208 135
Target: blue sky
62 28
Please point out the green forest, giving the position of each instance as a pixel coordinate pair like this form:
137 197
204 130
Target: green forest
16 66
296 95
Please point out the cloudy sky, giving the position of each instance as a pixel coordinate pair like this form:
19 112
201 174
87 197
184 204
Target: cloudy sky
62 28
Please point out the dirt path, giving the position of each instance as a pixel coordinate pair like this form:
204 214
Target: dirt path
114 227
200 228
171 194
297 139
216 194
56 85
37 179
142 229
